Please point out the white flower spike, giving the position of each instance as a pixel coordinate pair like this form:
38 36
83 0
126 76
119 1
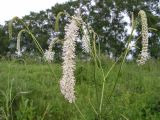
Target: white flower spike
144 56
67 82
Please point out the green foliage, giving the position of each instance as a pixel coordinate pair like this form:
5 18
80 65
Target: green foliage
35 92
25 110
4 41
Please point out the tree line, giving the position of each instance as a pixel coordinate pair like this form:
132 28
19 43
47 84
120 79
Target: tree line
107 18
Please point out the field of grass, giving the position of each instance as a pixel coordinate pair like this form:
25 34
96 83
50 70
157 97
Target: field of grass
30 91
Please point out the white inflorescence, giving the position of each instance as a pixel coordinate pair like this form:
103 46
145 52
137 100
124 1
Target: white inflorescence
49 55
18 53
144 56
52 43
67 82
85 40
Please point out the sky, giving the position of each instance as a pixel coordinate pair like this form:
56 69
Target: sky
19 8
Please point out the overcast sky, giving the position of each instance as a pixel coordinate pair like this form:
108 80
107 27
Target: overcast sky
11 8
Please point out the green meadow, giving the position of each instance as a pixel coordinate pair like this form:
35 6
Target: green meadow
31 91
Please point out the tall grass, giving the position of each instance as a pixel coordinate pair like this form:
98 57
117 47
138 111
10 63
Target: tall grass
135 97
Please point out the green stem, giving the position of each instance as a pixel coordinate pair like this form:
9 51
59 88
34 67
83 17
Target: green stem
125 55
104 79
79 111
93 107
95 65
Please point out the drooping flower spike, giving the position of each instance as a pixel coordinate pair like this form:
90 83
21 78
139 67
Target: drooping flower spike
144 55
49 54
85 39
67 82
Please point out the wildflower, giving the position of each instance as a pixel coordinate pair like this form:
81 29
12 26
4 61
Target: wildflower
18 53
85 40
144 56
49 55
67 82
52 43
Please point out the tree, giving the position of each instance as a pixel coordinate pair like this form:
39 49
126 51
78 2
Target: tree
106 18
4 41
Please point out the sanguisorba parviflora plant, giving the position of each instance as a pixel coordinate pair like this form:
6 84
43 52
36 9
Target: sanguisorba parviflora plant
18 52
85 39
26 30
144 55
67 82
49 54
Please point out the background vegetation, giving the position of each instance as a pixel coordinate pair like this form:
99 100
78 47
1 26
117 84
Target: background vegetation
31 92
107 17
